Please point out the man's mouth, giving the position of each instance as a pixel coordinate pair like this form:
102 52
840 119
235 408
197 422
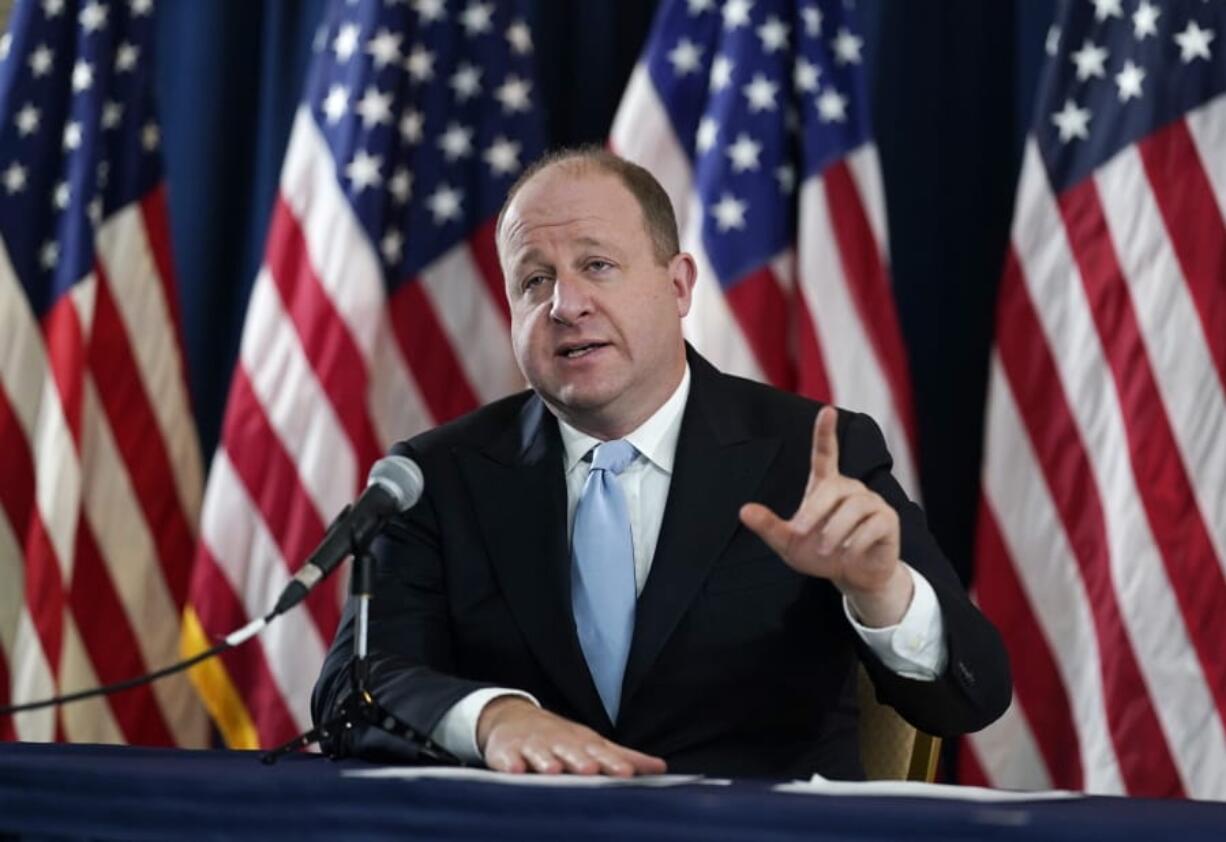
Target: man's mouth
579 349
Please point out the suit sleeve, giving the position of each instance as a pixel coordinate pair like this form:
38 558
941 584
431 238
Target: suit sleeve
976 686
411 656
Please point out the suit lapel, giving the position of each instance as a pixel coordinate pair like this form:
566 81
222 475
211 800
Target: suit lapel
717 467
518 489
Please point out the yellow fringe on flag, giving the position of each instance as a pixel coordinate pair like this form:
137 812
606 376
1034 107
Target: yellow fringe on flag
215 688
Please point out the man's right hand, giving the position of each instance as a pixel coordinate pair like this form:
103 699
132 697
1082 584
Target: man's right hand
515 735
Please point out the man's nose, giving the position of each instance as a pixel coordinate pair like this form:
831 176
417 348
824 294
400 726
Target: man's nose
571 299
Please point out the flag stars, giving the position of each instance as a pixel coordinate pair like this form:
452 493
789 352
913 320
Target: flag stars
430 11
445 204
1052 45
126 57
708 133
93 17
384 48
1145 20
1129 81
1090 61
27 120
82 77
1104 9
736 13
112 114
773 34
456 142
812 18
335 104
140 8
743 153
392 247
785 174
411 124
805 75
53 8
721 73
375 108
94 211
346 42
72 136
363 171
697 7
61 197
14 178
847 47
1193 43
832 106
686 57
49 255
466 82
520 38
150 136
400 185
420 64
6 44
760 93
41 60
477 18
502 156
1072 122
514 94
729 213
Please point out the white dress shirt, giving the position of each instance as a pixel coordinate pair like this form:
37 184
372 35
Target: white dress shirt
914 648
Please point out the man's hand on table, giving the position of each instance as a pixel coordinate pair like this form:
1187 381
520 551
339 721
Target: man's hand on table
515 735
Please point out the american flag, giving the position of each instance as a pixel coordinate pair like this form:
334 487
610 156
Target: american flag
1102 533
378 313
754 116
100 474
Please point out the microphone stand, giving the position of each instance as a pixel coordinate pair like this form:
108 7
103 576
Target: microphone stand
361 708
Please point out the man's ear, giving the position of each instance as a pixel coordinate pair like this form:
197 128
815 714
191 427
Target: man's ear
682 274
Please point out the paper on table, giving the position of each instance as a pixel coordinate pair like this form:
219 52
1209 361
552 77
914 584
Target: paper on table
457 773
818 785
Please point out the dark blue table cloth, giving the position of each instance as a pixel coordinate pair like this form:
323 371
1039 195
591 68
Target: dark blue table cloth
140 793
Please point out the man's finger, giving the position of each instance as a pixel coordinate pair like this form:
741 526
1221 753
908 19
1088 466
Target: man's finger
646 764
611 762
506 760
767 525
824 461
542 760
578 762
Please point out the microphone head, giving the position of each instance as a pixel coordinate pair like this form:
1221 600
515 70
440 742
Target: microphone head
401 477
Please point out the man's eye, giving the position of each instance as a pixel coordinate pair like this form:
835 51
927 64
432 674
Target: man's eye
599 265
532 282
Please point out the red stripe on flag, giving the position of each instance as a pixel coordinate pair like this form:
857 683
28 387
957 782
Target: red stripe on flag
139 439
1194 226
429 353
65 342
109 639
758 302
17 501
1037 685
869 284
1192 565
485 254
335 357
812 377
155 215
271 479
44 591
220 612
1145 759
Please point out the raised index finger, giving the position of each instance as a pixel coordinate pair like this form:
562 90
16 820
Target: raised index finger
824 461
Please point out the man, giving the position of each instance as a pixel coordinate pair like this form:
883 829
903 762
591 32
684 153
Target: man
596 579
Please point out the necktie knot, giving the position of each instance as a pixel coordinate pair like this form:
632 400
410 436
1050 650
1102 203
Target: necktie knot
613 456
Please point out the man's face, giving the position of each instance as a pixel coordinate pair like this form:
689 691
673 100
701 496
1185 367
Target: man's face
595 317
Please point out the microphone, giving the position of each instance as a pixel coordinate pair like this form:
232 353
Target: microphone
395 484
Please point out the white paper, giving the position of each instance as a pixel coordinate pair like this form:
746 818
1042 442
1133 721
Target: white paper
818 785
459 773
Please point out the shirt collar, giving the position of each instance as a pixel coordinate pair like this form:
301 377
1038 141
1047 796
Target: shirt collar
656 438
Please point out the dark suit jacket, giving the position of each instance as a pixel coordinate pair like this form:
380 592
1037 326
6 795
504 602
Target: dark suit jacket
738 666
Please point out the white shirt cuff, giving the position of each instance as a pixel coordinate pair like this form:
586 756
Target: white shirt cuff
457 730
915 648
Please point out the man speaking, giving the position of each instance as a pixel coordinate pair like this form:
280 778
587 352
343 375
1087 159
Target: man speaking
642 563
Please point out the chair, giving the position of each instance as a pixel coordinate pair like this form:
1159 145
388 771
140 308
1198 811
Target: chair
890 748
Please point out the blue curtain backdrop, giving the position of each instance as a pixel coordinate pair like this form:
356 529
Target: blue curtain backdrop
953 82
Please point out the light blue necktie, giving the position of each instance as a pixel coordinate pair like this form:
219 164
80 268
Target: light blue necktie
602 572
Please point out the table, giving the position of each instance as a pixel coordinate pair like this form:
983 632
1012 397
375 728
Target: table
141 793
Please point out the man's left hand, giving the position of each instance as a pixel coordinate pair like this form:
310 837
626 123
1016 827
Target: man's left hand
842 531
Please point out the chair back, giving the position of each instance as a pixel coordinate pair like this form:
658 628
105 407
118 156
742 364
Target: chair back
891 748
